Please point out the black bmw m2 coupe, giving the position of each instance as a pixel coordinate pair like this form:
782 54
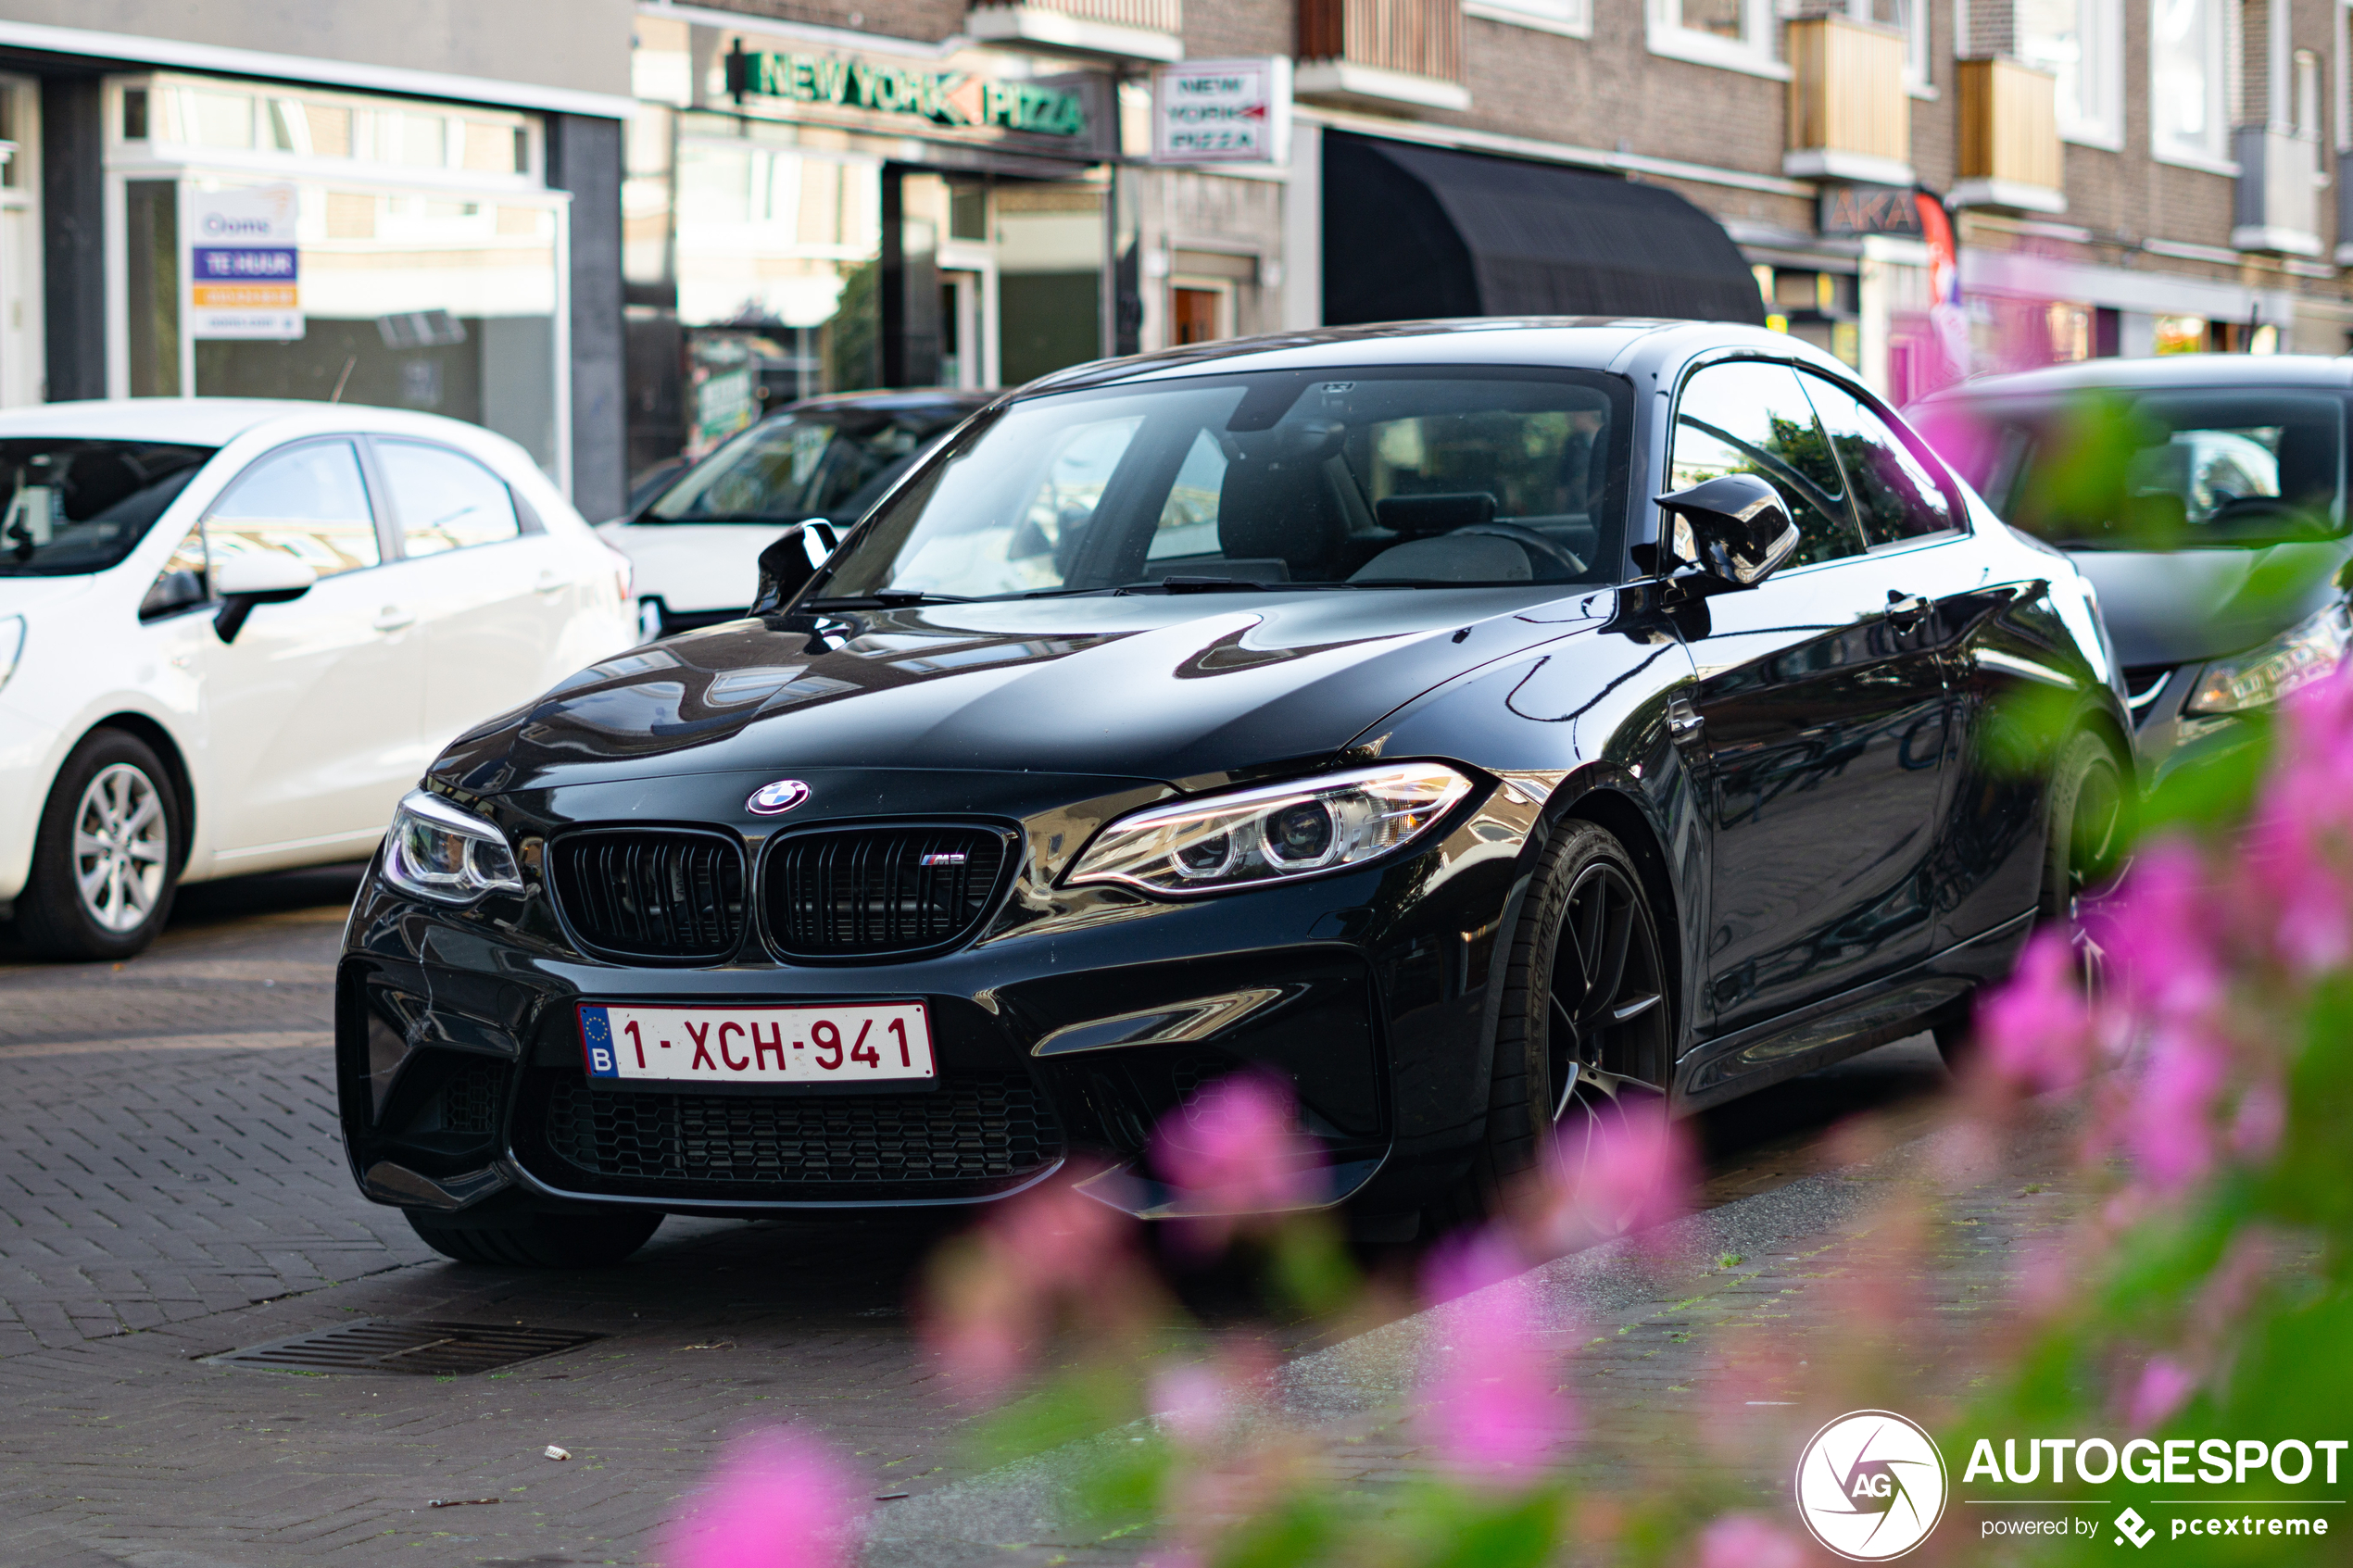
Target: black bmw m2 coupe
1474 723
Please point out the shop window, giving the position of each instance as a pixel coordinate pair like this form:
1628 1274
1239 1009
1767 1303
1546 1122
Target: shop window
151 245
1752 417
445 499
2082 42
1049 259
1735 34
2189 50
308 501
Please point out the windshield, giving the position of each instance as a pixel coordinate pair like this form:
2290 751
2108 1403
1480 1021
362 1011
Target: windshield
68 506
2219 467
1378 477
829 463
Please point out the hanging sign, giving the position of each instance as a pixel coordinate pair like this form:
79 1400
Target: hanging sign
1222 111
953 100
244 264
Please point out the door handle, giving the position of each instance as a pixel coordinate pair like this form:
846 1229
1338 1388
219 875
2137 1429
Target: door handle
1683 723
1907 610
392 618
550 582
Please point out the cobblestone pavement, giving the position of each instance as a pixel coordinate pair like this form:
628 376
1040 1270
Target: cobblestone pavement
172 1186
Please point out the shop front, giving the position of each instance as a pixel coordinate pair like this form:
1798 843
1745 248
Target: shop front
801 217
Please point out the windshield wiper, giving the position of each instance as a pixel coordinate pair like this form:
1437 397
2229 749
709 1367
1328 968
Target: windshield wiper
887 599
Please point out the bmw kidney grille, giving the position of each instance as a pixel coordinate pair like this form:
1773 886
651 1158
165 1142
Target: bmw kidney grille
653 893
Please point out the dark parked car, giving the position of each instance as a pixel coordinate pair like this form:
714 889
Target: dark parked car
1341 706
2204 497
695 538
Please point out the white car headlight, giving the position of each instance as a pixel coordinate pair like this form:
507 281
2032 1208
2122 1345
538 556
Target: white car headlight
437 851
2306 652
1244 838
11 645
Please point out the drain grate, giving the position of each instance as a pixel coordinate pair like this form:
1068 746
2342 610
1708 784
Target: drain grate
431 1349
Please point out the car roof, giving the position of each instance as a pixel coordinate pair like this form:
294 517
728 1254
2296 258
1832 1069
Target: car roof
216 421
1600 343
2166 372
908 397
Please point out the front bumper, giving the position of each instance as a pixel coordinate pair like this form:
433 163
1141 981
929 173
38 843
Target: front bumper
1076 1026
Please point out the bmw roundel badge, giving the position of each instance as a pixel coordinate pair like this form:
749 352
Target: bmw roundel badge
770 799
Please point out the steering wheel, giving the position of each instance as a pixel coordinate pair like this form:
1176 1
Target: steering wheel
1541 551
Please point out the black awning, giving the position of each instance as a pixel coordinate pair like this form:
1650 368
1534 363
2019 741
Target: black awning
1413 232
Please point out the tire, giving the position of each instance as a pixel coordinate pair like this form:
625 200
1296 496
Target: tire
2088 819
541 1241
106 859
1560 1016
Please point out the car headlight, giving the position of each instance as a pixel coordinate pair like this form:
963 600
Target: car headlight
11 645
1244 838
2306 652
437 851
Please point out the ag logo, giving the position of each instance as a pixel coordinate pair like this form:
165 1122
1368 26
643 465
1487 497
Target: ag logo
1870 1485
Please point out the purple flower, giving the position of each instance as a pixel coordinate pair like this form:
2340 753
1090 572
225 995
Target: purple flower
1747 1540
1236 1151
2164 1386
1495 1411
779 1500
2163 933
2037 1030
2170 1131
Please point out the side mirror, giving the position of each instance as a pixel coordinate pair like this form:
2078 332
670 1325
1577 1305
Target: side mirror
265 578
1736 531
787 566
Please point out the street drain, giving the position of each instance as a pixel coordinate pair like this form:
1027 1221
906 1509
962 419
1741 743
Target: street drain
431 1349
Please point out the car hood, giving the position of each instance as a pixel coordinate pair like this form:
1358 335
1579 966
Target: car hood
20 594
1167 688
2182 606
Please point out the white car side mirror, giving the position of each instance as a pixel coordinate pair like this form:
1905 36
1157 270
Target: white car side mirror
241 582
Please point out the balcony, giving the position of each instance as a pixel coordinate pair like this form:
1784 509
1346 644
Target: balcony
1849 115
2278 204
1382 53
2010 153
1119 29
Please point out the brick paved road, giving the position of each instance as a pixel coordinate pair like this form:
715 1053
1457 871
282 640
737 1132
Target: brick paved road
172 1186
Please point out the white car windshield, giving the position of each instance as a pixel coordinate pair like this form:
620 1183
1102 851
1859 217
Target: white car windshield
1381 477
69 506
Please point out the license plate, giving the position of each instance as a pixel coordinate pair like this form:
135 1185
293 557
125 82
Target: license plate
880 1042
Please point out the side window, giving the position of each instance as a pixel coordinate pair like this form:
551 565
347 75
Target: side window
445 499
1896 494
1750 416
308 501
182 582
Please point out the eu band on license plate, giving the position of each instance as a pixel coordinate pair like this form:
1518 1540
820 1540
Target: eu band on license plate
869 1043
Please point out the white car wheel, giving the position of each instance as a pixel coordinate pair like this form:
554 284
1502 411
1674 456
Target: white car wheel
121 846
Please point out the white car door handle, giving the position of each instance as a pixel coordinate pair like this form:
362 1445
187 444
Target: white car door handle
392 618
550 582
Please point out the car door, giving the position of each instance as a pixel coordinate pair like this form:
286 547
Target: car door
1821 719
494 595
312 713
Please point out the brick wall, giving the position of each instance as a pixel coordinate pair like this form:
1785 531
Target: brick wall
928 21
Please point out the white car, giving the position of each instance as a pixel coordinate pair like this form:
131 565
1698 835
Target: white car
697 543
234 633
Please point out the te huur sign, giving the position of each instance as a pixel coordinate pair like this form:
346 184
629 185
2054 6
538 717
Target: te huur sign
953 100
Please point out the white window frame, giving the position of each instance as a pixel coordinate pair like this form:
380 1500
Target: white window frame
2106 130
1570 19
2221 44
1756 54
1918 65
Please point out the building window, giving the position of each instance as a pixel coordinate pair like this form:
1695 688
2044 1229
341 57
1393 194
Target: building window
1734 34
2189 59
1910 18
1571 18
2082 42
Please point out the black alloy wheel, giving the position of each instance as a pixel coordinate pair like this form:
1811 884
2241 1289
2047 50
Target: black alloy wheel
1585 1030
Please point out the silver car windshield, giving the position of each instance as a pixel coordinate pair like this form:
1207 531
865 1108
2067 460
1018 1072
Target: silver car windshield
1363 478
70 505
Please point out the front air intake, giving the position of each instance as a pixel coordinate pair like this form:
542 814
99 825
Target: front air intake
870 891
671 895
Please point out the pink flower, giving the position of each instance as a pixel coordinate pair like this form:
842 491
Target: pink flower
1495 1411
2164 1386
779 1500
2162 933
1745 1540
1199 1400
2300 857
2172 1133
997 1290
1236 1151
2262 1116
2037 1029
1628 1170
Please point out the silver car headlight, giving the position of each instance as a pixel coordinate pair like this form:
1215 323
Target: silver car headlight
2306 652
435 850
1245 838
